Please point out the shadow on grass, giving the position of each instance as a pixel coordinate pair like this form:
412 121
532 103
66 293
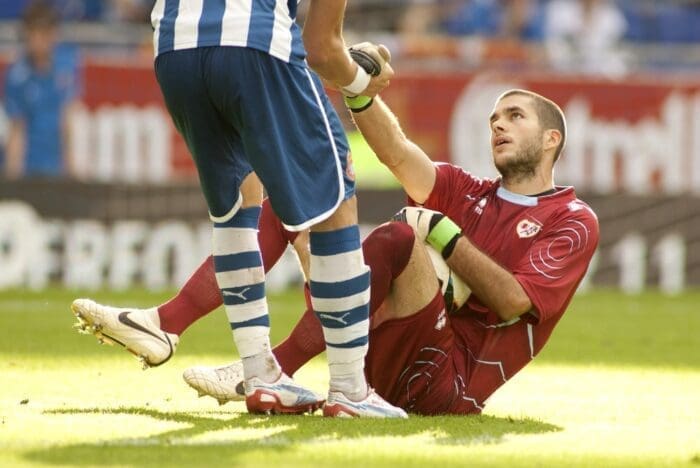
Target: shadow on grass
283 434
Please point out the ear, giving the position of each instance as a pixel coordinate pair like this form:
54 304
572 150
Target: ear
551 139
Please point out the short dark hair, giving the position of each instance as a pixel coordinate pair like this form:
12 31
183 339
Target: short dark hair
39 14
548 113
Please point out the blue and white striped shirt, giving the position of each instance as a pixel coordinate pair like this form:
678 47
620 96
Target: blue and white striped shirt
265 25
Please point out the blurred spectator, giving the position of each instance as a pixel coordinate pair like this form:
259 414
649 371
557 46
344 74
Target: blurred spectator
583 35
71 10
132 11
493 33
41 90
87 10
512 19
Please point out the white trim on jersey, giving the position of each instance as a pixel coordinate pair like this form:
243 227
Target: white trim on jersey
232 212
473 401
498 364
341 184
516 198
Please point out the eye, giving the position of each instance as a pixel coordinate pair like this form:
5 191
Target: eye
517 115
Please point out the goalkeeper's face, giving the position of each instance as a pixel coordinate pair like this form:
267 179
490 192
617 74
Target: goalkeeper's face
516 137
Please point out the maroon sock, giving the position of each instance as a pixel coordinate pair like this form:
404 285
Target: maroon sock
304 343
199 296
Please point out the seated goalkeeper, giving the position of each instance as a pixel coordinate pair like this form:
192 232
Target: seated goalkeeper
519 243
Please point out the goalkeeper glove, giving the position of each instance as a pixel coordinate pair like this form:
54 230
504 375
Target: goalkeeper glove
432 227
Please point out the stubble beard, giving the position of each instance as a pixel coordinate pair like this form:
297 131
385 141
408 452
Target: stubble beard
523 165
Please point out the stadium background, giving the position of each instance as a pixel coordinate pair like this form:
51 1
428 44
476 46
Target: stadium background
132 213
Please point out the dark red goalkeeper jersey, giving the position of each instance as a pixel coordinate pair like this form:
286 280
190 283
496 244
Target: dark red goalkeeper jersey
547 242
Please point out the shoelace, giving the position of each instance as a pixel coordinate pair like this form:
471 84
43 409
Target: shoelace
228 372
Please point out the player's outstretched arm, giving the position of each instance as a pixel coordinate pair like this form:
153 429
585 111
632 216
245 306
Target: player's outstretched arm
406 160
328 56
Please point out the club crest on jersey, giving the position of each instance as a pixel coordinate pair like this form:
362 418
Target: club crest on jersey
527 228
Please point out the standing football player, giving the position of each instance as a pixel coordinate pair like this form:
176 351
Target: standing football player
235 80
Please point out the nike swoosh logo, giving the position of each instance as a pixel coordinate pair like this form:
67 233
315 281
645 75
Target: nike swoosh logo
124 318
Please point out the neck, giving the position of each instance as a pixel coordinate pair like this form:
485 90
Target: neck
536 183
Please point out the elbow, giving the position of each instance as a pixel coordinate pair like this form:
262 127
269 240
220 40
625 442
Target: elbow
318 58
514 307
322 52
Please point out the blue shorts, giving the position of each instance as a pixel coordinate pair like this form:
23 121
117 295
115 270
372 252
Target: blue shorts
241 110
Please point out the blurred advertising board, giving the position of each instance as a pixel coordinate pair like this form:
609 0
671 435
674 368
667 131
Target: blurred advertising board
92 235
637 135
137 217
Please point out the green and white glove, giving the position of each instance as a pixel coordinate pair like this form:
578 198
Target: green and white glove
432 227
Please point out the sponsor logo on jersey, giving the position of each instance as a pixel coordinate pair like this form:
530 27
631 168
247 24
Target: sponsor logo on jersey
479 208
441 320
527 228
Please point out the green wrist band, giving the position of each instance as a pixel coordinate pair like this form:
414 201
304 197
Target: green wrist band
358 103
445 233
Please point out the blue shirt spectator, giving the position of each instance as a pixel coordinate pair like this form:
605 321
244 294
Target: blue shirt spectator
40 91
72 10
37 98
489 18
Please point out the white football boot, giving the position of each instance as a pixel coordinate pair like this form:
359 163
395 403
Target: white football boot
283 396
131 328
372 406
223 383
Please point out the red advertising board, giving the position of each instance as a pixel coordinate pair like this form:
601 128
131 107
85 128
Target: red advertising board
638 135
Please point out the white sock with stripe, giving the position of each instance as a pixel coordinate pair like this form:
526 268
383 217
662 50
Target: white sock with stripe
241 279
339 287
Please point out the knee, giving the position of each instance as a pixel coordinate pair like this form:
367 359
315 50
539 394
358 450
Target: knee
394 233
393 241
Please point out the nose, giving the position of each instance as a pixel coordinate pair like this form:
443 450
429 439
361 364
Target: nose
497 124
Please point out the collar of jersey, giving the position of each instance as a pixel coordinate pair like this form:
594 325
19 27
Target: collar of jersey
516 198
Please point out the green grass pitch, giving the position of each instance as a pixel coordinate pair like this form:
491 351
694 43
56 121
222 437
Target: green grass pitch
618 385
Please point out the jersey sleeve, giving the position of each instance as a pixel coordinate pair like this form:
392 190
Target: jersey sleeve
556 262
452 184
